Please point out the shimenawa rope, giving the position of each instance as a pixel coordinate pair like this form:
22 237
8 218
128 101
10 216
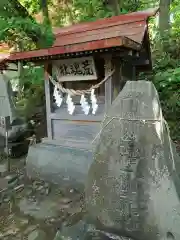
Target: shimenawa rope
73 92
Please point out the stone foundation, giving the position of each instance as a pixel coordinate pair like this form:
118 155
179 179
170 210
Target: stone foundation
64 163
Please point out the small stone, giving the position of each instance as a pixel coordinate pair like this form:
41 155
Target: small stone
9 232
24 222
35 185
47 191
42 192
21 176
58 236
11 178
30 229
29 192
77 231
74 209
6 199
40 188
37 235
65 200
46 185
52 220
19 188
64 206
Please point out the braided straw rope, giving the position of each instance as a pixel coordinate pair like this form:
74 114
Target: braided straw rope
73 92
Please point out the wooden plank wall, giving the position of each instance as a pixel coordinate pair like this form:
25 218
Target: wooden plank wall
79 126
75 130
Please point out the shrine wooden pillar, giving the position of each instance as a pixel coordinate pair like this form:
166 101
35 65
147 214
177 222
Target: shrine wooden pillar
48 101
108 84
115 83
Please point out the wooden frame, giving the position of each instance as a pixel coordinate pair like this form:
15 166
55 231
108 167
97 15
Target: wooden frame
115 82
48 102
108 83
79 118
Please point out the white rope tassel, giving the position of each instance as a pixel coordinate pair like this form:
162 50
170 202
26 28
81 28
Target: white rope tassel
73 92
70 105
58 96
84 104
94 102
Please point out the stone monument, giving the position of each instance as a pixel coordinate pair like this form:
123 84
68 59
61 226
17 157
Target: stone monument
133 183
7 108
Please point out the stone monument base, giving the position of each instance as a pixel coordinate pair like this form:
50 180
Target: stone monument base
61 162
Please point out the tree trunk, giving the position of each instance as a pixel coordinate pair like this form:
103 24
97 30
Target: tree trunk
115 5
164 16
20 69
44 7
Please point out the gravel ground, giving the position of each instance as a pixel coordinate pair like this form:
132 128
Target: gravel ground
35 210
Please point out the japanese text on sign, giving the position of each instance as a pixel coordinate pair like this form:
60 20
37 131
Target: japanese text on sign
76 69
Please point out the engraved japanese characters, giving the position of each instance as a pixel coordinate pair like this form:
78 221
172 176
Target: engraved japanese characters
76 69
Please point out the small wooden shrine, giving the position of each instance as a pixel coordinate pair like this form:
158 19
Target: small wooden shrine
85 70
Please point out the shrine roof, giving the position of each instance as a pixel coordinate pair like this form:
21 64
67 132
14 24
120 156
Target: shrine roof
125 30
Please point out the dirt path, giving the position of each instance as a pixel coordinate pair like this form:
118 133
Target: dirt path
34 210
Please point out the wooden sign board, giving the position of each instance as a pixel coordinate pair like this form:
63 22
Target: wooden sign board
5 122
76 69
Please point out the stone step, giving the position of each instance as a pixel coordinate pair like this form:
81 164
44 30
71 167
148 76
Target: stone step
69 143
64 163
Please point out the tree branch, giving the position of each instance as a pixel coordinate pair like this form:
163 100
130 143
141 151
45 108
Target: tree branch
20 11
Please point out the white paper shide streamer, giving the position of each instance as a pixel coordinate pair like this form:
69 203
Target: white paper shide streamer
94 102
84 104
70 104
58 96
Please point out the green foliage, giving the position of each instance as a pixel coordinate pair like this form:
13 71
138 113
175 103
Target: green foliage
166 77
32 79
20 29
70 12
35 71
33 6
91 10
94 9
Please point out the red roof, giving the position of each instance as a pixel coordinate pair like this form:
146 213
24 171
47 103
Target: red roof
128 25
125 30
